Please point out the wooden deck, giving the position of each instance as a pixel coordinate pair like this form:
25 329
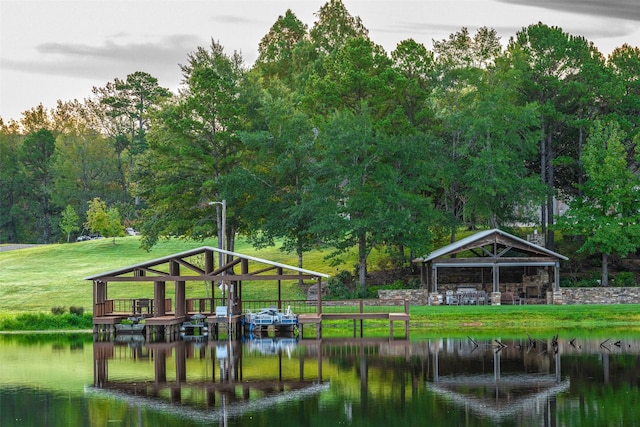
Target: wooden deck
363 312
168 324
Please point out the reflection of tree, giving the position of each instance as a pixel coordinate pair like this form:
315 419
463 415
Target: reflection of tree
399 380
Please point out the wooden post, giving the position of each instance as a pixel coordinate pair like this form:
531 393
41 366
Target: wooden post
319 296
279 289
181 305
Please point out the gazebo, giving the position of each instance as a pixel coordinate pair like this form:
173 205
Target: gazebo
494 249
164 314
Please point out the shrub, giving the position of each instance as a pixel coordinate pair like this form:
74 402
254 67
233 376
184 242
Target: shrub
414 283
341 285
78 311
625 278
58 310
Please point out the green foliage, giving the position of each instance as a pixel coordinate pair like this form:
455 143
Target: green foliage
78 311
58 310
69 222
44 322
104 221
330 140
625 278
35 157
606 212
341 286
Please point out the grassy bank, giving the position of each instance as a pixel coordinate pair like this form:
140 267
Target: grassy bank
39 278
36 279
426 321
45 322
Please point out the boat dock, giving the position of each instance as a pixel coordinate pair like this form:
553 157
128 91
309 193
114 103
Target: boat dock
167 311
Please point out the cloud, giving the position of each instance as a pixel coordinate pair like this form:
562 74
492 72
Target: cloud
89 61
620 9
232 19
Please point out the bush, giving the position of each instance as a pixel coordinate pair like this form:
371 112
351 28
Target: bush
341 285
78 311
625 278
44 321
57 310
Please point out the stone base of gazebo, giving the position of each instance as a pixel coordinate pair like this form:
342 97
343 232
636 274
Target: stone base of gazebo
555 298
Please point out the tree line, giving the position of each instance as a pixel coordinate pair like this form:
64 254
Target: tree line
327 139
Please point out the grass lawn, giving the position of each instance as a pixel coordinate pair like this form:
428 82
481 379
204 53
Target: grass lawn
34 280
39 278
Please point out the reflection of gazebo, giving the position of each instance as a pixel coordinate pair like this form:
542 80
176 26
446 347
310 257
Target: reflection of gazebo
220 388
494 249
165 314
498 395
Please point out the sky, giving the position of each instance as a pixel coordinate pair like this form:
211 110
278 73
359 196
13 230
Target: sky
60 49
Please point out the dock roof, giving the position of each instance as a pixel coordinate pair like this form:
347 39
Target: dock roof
159 269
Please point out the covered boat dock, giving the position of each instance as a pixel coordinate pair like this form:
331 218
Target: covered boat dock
164 309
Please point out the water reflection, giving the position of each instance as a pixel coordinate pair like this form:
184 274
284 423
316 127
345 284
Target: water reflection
443 381
491 379
497 380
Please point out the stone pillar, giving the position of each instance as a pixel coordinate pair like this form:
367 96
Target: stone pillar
557 298
434 298
495 298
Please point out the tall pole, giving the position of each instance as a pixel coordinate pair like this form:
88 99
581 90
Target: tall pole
224 224
222 240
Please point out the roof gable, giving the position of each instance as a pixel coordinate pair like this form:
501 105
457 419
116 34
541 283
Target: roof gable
495 236
159 269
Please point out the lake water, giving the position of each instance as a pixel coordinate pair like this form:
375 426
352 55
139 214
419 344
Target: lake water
69 380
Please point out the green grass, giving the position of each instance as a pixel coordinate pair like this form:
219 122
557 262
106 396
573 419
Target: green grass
39 278
34 280
588 317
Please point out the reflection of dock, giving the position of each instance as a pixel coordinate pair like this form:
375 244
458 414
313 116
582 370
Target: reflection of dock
163 375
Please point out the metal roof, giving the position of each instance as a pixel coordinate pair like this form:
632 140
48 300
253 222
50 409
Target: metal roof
455 246
198 251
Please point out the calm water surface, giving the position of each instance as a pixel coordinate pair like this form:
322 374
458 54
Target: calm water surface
530 381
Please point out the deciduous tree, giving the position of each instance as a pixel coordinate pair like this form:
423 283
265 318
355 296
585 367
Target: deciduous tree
606 214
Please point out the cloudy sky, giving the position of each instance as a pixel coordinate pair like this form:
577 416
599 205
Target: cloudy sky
60 49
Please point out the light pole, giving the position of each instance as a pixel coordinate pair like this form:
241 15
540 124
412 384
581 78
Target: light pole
223 236
221 244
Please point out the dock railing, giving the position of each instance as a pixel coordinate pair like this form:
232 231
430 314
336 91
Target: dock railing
356 306
122 306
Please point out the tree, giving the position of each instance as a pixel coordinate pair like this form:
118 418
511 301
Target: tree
35 157
69 221
193 143
277 174
502 138
104 221
276 48
606 214
120 110
416 76
14 223
84 166
624 63
462 64
334 27
367 187
552 61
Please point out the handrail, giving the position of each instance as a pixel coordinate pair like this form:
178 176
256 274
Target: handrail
207 305
333 306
